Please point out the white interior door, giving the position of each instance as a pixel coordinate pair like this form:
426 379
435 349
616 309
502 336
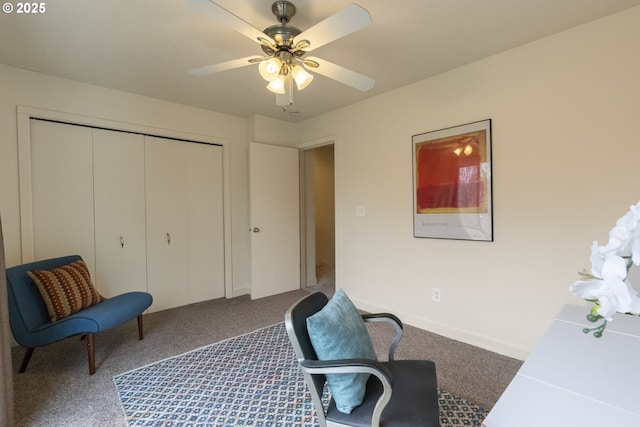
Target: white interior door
275 219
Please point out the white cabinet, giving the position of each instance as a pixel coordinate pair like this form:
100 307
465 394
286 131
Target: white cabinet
119 200
572 379
145 213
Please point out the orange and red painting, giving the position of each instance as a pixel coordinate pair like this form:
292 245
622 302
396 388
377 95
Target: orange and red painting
448 174
452 183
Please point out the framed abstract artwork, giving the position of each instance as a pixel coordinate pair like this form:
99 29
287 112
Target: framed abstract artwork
452 197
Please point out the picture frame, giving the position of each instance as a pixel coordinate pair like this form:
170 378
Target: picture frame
452 183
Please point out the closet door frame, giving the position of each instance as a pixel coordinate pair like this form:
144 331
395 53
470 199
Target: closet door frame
25 114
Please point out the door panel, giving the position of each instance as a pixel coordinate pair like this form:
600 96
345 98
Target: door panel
166 214
119 212
206 227
275 212
62 191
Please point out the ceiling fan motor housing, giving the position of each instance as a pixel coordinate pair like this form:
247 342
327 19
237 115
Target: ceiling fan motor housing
282 33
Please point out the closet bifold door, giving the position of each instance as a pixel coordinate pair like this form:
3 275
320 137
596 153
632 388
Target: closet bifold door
166 221
206 225
119 200
145 213
62 191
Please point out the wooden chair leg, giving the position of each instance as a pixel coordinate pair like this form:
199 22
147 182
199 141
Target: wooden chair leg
91 353
140 330
26 359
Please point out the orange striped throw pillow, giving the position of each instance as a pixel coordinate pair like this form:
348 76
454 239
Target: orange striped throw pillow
66 290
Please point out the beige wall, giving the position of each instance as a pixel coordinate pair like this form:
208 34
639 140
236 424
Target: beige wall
319 212
566 148
324 206
565 152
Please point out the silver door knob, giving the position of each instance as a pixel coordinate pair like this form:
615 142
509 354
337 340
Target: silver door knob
255 229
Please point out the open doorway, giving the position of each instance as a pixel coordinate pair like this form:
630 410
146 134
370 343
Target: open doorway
319 208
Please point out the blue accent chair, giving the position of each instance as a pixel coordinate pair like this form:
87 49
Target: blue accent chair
32 327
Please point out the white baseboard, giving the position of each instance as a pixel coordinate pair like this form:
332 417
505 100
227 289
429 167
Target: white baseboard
482 341
240 291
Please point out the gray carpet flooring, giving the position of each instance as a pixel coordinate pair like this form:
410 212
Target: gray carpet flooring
56 389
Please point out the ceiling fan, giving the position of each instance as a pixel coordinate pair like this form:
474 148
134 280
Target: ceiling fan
286 46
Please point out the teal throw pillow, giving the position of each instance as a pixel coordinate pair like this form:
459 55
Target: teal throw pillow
338 332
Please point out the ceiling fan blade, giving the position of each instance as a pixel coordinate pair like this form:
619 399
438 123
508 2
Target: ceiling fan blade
342 75
232 21
349 20
224 66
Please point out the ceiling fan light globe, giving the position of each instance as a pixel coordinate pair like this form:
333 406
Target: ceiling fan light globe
270 69
301 77
277 86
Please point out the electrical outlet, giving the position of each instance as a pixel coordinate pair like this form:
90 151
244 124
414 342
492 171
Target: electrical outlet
436 294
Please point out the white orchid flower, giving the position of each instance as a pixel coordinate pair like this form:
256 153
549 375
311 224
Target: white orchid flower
618 241
614 274
634 306
595 290
635 247
597 260
624 238
635 238
608 286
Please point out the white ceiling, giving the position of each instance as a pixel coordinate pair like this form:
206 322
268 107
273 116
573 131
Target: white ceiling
147 46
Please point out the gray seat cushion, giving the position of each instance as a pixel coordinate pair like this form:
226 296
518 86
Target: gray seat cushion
415 397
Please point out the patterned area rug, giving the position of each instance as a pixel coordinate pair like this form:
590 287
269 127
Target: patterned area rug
250 380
